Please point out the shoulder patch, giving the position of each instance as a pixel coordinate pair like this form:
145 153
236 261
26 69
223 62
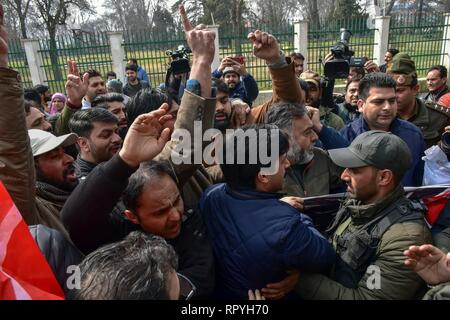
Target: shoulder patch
439 108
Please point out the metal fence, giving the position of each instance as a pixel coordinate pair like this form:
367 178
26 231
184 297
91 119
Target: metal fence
321 40
420 37
89 50
18 60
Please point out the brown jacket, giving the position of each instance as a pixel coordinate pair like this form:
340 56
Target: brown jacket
17 170
285 87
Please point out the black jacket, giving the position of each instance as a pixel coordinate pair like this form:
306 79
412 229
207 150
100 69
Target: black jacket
91 222
58 251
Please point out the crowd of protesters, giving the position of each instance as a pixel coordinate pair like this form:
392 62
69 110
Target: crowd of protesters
94 173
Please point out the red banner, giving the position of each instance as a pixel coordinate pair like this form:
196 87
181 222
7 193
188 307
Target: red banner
24 272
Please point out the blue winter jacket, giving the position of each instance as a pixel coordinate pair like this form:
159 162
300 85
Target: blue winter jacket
246 90
405 130
256 238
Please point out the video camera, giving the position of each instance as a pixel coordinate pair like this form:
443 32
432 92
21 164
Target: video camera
339 67
180 60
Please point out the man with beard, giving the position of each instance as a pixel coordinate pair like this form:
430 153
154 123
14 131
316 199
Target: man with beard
313 99
312 173
55 175
373 226
98 139
45 96
114 103
348 110
96 87
133 84
222 117
240 83
39 176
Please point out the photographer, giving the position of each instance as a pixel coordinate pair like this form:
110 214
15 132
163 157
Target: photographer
313 99
241 84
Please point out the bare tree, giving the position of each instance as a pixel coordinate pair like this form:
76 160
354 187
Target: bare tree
54 13
21 8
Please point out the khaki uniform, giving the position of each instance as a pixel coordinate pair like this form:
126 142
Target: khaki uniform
385 276
330 119
431 120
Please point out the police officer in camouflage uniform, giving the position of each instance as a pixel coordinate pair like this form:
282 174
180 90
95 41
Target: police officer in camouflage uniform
314 93
428 116
373 227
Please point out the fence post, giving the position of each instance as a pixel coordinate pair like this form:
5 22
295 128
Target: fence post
445 58
117 53
34 60
216 62
301 40
381 41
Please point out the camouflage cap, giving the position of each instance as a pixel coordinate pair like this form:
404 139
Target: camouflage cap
402 69
311 76
380 149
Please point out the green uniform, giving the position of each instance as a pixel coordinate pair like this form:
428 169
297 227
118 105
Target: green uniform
431 119
330 119
396 281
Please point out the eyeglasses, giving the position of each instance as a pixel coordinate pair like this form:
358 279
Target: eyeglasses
187 288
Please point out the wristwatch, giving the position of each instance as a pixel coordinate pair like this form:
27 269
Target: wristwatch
194 86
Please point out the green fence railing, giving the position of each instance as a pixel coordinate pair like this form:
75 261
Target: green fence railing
18 60
420 37
89 50
320 40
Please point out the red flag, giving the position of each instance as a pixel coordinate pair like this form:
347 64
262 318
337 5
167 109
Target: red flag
24 272
435 206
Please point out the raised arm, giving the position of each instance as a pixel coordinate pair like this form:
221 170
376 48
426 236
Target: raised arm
16 161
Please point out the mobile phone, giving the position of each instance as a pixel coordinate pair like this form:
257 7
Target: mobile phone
239 58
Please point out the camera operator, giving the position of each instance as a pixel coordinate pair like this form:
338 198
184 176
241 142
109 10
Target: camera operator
177 73
241 84
313 99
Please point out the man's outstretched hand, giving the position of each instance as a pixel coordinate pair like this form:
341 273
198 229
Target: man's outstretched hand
430 263
3 40
76 87
146 137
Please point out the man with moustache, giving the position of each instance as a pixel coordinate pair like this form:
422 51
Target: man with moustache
114 103
240 83
313 99
98 138
373 226
312 173
348 110
96 87
429 117
378 102
55 176
436 83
